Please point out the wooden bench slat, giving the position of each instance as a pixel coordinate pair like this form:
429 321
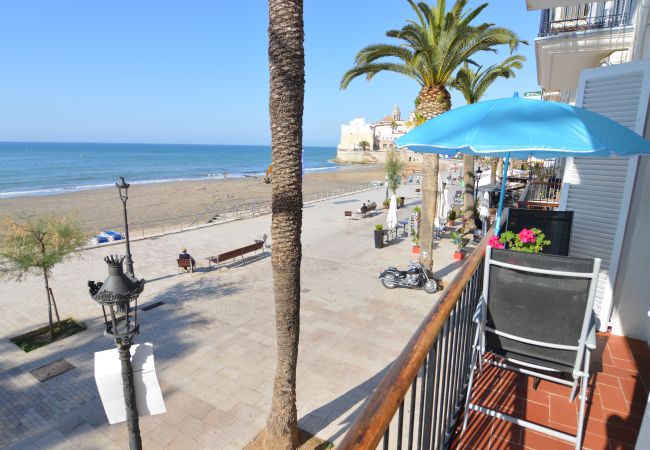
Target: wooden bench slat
237 252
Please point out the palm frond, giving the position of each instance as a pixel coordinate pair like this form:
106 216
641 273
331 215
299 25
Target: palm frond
431 47
372 69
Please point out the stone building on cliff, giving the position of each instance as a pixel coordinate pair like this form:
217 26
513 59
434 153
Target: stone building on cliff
363 142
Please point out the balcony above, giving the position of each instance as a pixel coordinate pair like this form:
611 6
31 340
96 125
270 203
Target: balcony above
533 5
603 15
581 36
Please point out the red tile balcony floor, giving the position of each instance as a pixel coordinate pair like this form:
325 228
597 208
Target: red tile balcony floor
616 400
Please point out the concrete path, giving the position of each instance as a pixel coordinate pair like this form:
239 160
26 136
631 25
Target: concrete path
214 337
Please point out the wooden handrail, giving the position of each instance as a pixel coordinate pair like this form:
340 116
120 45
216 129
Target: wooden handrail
368 429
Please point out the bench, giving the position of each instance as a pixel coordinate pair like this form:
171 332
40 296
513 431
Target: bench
184 264
258 245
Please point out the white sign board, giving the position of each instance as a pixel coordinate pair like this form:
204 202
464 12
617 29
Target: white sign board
108 376
484 209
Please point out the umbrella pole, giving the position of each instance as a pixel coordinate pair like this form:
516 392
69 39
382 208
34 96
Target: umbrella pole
504 180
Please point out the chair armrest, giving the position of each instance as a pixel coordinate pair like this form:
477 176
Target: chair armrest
478 312
591 336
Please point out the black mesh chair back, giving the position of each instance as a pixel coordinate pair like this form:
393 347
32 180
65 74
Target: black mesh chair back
537 307
556 225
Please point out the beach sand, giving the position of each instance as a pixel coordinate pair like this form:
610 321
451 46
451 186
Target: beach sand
157 205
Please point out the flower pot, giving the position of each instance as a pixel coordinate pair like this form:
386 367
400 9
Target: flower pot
379 238
415 250
459 255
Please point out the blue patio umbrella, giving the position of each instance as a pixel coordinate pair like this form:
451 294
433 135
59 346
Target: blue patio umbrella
521 128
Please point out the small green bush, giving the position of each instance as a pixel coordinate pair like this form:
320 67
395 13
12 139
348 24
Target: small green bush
452 215
379 227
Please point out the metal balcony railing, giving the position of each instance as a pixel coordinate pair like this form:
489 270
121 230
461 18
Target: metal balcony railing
417 403
541 195
585 16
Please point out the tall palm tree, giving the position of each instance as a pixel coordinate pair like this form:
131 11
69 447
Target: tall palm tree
473 83
430 50
287 92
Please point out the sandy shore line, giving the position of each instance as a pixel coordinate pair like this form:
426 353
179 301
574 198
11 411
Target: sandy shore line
152 206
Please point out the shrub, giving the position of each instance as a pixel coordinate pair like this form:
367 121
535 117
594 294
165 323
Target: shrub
379 227
452 215
527 241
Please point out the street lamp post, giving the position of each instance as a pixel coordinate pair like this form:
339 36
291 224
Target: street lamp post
123 189
115 296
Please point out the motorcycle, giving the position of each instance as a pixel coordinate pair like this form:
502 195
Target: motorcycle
415 277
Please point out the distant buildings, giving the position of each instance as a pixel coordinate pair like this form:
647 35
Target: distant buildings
363 142
380 135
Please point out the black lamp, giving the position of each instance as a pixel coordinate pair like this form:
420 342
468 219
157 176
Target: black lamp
123 189
118 296
115 295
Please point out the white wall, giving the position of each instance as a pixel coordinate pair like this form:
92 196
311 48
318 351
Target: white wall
632 288
353 133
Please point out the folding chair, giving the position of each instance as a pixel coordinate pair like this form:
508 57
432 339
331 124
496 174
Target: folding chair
536 314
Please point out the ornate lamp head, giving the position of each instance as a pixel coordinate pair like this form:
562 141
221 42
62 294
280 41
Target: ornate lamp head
123 188
118 296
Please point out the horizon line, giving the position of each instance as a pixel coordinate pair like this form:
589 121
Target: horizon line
148 143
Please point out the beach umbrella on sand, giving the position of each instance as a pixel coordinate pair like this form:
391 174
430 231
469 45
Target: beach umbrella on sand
521 128
391 218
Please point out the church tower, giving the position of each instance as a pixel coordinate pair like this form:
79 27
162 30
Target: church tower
396 113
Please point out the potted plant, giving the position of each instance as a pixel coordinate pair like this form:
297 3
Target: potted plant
379 236
528 241
416 243
386 203
460 242
452 217
400 201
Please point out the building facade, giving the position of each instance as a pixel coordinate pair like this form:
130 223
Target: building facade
354 133
595 54
380 136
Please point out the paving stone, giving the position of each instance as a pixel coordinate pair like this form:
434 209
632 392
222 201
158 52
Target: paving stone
214 340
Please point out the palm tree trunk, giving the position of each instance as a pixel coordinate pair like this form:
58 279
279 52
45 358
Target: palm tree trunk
432 101
430 169
287 89
494 163
468 180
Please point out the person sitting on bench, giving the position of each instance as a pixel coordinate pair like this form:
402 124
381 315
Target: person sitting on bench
184 255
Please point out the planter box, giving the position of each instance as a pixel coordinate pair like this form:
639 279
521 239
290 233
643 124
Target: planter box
379 238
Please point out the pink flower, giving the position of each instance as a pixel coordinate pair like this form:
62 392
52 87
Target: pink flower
526 236
494 242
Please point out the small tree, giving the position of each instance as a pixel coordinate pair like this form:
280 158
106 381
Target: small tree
394 167
35 246
364 145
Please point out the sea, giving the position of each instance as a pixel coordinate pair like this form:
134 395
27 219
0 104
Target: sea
42 168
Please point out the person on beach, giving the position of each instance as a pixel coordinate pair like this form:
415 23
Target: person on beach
184 255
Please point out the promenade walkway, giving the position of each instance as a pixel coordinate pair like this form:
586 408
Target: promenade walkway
214 337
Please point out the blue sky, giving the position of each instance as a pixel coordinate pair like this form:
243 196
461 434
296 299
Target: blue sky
197 71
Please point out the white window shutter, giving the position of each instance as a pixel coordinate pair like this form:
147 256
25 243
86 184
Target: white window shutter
599 190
